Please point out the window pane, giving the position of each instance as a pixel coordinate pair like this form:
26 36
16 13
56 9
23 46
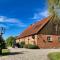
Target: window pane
49 39
59 39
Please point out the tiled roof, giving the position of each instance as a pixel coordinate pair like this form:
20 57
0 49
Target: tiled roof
34 28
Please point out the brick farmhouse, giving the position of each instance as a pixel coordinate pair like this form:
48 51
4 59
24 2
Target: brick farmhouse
44 33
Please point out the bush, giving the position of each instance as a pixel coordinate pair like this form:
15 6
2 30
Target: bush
30 46
3 45
26 46
18 45
22 44
5 51
10 41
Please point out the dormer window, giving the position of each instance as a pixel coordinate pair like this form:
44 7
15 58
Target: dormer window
59 39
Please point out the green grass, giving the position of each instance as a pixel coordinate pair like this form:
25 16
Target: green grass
5 51
54 56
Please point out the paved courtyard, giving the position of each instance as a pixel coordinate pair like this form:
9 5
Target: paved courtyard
28 54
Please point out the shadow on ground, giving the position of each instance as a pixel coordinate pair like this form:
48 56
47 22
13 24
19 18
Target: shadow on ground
12 53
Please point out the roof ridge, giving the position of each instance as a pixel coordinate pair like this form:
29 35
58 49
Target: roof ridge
45 23
33 29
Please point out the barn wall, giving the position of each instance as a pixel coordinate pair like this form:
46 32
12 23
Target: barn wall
43 42
18 40
28 40
50 27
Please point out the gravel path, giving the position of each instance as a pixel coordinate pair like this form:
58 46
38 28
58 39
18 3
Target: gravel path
29 54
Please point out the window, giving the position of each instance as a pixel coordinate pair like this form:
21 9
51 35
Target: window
33 36
59 39
49 39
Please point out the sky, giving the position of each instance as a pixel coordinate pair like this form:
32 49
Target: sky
17 15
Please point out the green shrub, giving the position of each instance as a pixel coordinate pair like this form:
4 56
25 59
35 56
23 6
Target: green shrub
22 44
3 46
2 43
18 45
30 46
10 41
5 51
26 46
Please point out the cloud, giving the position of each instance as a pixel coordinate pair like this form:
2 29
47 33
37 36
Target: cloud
40 15
44 13
10 22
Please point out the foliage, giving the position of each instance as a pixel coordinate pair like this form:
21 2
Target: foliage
26 46
2 43
10 41
5 51
53 6
54 56
30 46
22 44
3 46
18 45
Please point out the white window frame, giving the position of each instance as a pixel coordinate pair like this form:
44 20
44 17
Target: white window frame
49 39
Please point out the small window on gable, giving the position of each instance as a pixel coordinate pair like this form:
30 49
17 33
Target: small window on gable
33 36
49 39
59 39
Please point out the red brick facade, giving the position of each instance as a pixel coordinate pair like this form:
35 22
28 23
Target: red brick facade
47 33
43 42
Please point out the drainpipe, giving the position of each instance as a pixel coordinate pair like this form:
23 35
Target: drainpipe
28 40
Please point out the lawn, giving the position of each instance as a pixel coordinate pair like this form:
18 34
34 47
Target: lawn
54 56
5 51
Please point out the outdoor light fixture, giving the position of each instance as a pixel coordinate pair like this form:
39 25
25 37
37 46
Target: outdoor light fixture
2 31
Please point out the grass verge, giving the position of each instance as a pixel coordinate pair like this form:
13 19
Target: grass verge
54 56
5 51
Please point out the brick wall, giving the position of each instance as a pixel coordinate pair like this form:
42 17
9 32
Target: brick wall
42 41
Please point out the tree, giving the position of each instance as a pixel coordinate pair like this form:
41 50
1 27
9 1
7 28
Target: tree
54 6
2 44
10 41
